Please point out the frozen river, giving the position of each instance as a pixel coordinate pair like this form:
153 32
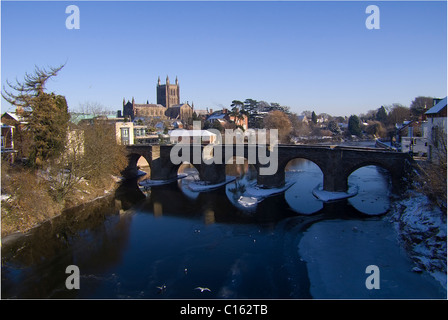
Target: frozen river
169 240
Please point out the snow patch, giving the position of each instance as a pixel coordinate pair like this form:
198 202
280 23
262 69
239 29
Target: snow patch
257 191
326 196
5 197
423 232
249 202
199 186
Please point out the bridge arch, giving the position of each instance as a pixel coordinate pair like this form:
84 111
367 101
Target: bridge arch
374 184
132 169
290 161
278 179
360 165
184 168
311 170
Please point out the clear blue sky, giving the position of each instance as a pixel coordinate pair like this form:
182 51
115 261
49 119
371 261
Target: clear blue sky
307 55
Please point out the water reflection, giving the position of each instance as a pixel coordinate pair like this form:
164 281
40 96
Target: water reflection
374 186
300 197
374 191
92 237
222 244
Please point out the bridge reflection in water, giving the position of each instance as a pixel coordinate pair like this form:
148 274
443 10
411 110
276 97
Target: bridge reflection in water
375 187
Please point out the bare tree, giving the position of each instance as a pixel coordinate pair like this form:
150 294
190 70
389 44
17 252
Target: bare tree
435 183
398 113
420 104
280 121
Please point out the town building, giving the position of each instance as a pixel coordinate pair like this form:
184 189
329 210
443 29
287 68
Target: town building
223 117
409 138
191 136
128 133
435 129
182 112
11 123
7 138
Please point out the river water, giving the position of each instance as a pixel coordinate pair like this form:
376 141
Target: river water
167 242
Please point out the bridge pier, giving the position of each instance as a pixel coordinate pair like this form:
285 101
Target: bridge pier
161 166
335 182
212 173
333 172
271 181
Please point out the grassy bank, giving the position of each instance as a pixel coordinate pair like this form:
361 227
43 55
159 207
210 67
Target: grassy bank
28 198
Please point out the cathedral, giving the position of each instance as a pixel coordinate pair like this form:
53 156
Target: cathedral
168 94
168 105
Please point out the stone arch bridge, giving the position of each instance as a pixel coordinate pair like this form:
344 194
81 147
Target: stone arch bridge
335 162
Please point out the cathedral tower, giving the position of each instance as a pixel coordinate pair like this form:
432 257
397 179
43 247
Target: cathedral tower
168 94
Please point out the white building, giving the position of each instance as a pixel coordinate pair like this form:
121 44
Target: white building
435 130
127 133
190 136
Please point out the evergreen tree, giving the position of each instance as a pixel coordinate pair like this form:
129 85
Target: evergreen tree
314 117
354 125
381 115
48 124
49 117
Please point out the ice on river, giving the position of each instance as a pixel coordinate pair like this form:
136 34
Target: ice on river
332 196
337 253
199 186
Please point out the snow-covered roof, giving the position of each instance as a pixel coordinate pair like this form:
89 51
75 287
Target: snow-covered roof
190 133
438 107
13 115
217 116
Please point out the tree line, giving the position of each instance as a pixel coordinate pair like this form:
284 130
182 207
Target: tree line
377 122
382 121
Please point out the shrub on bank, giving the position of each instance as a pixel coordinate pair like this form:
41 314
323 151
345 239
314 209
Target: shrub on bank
27 199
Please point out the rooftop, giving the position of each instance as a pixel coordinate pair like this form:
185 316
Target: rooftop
438 107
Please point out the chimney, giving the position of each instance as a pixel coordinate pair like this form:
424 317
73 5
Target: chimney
224 110
211 111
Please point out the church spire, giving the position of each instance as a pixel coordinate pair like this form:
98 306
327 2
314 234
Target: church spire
177 82
167 80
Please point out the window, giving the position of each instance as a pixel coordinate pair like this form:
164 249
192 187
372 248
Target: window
124 136
125 132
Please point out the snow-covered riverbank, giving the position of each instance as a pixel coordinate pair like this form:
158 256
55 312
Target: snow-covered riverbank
422 228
